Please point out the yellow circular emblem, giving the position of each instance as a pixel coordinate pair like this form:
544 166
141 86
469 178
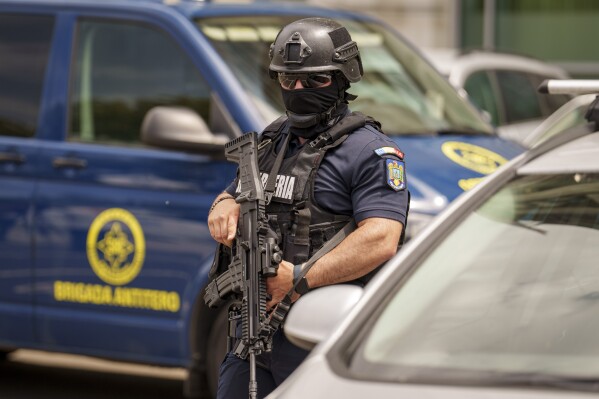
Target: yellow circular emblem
116 246
473 157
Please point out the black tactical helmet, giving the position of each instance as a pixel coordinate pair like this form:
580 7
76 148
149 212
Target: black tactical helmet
315 45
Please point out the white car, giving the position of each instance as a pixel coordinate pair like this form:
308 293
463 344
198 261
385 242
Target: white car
504 86
497 298
570 114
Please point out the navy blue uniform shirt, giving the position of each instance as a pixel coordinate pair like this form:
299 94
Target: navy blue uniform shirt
354 178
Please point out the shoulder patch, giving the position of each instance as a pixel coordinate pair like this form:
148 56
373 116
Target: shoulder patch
396 178
390 151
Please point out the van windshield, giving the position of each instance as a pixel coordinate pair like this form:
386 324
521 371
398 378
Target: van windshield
399 88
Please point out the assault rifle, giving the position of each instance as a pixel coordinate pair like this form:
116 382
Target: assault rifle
254 257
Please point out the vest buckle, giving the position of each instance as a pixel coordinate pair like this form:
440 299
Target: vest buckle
318 141
264 143
268 196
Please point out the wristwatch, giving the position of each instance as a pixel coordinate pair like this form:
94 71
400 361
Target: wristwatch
301 286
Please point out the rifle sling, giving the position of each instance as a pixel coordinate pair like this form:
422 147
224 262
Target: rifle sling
271 183
326 248
283 307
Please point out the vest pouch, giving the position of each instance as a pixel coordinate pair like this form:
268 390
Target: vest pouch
221 262
296 249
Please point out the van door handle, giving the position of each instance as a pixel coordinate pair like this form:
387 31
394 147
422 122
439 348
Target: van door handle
11 157
74 163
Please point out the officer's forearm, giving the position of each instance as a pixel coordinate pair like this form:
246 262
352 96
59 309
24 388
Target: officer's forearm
372 243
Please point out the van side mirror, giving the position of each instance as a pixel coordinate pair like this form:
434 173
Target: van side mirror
180 128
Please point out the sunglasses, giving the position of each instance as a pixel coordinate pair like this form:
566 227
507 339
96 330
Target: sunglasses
309 80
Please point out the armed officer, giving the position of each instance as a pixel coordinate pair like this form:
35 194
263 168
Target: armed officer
334 166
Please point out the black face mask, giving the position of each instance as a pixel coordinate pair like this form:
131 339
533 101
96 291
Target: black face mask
310 101
305 106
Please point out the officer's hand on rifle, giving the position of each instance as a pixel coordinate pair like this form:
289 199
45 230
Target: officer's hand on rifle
279 285
222 219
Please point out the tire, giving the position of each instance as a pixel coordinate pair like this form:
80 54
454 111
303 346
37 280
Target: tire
216 348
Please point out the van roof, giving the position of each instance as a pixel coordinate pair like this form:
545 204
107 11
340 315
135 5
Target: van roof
194 8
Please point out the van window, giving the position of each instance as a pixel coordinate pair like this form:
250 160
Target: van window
24 47
121 71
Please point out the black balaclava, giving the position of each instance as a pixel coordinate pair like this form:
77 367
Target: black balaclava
313 110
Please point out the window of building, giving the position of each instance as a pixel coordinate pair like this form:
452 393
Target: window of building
551 30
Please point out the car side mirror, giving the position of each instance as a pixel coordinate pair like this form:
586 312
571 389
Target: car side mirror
316 314
180 128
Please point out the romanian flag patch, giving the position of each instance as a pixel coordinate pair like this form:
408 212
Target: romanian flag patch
389 151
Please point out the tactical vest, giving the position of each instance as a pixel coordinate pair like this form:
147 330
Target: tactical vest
301 225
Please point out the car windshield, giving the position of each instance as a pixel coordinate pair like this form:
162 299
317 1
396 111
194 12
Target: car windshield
399 88
513 290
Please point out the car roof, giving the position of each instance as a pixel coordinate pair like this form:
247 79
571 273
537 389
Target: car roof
457 65
579 155
586 92
563 115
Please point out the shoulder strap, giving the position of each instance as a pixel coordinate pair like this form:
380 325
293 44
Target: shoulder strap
271 182
273 129
268 135
345 126
374 123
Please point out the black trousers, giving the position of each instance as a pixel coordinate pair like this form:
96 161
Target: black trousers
274 367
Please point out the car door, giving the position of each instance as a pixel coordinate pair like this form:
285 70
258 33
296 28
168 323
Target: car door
121 231
24 49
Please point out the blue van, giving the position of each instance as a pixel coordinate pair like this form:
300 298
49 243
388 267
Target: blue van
113 117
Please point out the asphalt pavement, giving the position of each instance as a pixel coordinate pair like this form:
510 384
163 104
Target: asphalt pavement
40 375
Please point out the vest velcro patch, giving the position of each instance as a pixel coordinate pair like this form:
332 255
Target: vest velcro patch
390 151
395 174
285 186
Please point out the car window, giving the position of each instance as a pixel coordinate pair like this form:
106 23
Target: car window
121 71
512 289
519 96
22 77
399 87
480 92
